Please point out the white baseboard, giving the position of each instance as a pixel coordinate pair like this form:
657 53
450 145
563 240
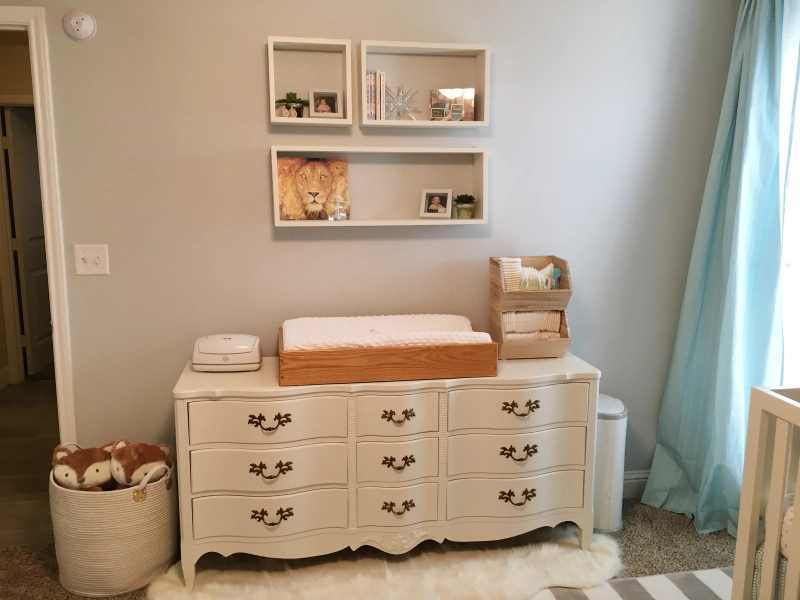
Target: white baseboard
633 483
5 377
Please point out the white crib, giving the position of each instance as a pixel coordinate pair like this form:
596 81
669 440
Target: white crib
770 469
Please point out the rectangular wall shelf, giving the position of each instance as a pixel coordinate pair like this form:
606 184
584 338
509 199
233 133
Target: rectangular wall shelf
425 67
385 184
302 64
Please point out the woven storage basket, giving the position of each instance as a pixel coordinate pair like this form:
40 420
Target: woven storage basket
109 543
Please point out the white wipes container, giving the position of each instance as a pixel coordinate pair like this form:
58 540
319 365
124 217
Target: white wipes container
609 464
227 352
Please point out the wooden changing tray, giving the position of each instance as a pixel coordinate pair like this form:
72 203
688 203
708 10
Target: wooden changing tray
399 363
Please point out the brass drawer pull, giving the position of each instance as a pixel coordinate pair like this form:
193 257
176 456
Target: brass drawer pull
261 516
407 460
258 421
526 493
527 451
510 407
389 507
282 467
389 415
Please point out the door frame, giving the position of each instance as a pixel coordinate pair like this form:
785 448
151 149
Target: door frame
32 19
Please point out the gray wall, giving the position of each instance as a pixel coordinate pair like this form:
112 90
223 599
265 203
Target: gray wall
603 120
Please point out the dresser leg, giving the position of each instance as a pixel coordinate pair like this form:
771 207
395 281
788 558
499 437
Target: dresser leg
188 567
585 537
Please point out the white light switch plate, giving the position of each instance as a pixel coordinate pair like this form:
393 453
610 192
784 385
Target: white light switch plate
91 259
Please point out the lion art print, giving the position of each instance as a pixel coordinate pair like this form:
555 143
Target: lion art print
310 188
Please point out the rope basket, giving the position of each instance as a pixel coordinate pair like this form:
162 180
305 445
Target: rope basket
110 543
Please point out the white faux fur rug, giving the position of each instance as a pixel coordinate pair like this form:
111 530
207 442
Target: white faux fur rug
517 571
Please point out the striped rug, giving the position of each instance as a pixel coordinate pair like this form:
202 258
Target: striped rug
713 584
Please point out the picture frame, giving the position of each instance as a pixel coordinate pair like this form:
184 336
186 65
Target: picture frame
311 188
457 104
436 197
329 100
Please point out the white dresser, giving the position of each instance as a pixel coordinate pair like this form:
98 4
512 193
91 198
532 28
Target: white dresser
291 472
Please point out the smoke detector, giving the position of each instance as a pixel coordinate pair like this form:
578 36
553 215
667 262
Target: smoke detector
79 25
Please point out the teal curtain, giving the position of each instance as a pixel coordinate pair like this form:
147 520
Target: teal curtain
730 330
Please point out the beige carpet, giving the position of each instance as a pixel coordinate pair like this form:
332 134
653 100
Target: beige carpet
654 541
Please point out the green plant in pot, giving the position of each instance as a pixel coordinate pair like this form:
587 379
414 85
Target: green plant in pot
291 103
465 206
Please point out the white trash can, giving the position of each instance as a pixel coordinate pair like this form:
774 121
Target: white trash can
609 464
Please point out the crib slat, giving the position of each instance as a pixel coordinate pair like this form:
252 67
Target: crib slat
793 569
794 456
750 505
777 490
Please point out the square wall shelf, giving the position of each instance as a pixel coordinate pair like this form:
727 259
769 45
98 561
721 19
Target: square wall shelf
385 184
302 64
426 67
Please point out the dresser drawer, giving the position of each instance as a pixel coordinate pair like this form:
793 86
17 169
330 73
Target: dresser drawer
375 505
492 497
267 422
397 461
397 415
518 409
242 516
234 470
522 453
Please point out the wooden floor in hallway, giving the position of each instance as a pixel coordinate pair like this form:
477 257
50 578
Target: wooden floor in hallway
28 435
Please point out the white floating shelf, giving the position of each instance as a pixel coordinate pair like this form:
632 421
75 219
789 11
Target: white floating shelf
385 184
302 64
426 67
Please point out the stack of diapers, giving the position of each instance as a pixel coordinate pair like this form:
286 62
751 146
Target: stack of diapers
532 325
512 273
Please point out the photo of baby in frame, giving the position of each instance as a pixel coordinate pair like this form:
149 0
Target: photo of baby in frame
325 103
436 204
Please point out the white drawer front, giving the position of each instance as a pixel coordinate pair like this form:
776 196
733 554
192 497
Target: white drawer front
501 409
375 508
379 415
233 516
521 453
397 461
485 497
267 422
232 470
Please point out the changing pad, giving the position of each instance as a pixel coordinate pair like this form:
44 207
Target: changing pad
320 333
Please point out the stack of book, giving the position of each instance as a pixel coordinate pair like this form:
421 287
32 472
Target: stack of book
376 95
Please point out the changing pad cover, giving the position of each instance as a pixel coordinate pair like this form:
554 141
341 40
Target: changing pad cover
319 333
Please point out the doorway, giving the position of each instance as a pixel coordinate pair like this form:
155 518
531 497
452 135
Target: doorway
28 400
24 292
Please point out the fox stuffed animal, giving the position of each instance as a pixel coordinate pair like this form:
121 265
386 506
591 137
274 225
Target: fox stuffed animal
130 463
87 469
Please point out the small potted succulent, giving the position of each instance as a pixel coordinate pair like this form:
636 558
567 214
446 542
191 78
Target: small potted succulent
291 106
465 206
